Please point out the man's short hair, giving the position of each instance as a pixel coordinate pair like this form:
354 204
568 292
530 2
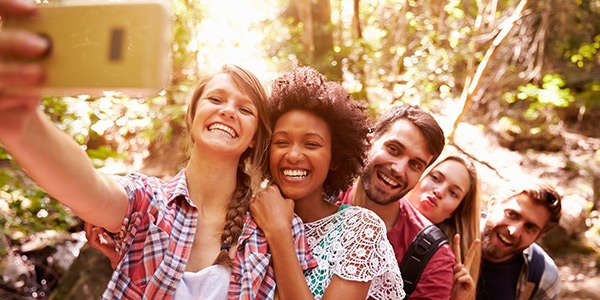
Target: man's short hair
429 127
541 193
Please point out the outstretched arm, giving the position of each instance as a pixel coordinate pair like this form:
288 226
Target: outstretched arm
464 285
50 157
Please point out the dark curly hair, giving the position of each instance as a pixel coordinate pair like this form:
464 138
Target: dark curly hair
306 89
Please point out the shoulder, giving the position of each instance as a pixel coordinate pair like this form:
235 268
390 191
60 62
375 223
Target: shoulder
357 214
550 283
139 181
361 225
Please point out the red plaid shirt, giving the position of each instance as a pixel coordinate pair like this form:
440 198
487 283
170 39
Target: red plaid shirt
156 238
252 276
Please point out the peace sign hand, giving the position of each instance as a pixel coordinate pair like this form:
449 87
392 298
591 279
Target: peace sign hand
464 286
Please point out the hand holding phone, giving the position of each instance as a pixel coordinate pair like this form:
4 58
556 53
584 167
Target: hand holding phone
103 46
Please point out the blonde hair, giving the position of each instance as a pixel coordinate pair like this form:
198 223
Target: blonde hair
255 157
466 217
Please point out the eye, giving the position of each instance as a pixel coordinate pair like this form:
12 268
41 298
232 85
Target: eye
393 150
215 100
415 165
247 111
312 145
280 142
511 214
454 194
434 177
531 229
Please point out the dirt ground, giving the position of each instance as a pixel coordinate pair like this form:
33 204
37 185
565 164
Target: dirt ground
579 276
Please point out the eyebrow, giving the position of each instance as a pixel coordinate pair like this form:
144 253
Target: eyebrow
527 222
309 134
534 225
440 173
401 145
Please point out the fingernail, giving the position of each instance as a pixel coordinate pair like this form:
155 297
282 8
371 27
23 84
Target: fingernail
39 42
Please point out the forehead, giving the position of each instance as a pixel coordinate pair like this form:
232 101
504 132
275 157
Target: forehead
529 210
409 135
455 172
303 120
223 83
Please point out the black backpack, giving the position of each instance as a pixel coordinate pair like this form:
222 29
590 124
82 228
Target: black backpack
422 248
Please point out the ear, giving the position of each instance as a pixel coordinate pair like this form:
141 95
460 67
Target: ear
490 205
252 144
370 137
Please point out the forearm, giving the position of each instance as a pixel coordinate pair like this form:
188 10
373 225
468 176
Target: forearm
288 273
59 165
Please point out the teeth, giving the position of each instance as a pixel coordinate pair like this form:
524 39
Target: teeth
222 129
504 239
295 173
388 180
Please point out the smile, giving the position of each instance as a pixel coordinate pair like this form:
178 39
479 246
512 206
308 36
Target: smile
295 173
388 180
504 239
222 130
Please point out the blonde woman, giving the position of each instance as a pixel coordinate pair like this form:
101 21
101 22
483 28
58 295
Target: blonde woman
448 195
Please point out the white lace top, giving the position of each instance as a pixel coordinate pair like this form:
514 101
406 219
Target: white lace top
352 244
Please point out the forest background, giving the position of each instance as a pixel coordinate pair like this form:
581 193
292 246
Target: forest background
514 83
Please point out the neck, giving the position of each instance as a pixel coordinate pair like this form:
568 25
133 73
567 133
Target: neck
388 213
211 181
313 207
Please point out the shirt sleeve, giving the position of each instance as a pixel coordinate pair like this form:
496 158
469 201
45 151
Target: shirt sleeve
305 257
550 285
367 255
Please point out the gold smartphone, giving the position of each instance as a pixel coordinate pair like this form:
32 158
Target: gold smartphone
104 46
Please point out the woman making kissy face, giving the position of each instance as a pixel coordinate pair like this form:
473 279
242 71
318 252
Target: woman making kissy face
448 195
317 148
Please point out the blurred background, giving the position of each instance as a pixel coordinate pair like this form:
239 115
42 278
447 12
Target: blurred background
514 84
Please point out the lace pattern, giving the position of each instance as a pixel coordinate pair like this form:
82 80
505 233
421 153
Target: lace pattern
353 245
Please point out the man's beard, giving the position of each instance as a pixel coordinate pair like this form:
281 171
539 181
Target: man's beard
492 252
379 197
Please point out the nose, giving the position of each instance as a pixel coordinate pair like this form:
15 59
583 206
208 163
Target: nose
227 110
400 166
515 229
294 154
438 192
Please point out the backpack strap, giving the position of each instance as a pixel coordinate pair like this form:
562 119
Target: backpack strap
418 254
535 270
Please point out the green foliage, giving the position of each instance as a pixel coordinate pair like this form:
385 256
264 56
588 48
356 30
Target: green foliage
540 106
585 52
26 208
550 94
